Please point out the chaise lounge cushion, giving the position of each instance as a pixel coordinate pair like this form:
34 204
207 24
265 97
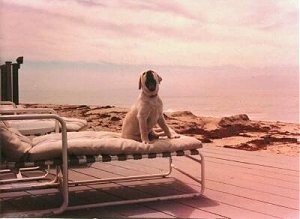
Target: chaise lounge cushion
74 124
33 127
43 126
95 143
13 144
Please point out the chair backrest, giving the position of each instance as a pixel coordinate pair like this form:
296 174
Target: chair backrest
13 145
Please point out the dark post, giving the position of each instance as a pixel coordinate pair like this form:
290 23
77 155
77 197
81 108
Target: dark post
3 82
10 81
16 67
15 77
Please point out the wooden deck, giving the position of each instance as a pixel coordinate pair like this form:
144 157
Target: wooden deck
239 184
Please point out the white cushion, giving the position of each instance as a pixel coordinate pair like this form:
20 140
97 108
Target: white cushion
93 143
74 124
34 127
13 144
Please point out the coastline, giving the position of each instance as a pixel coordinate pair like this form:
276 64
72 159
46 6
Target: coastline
236 132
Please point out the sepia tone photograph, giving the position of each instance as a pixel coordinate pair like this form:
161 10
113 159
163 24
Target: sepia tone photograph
149 109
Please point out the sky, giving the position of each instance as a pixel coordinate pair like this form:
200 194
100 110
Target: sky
248 33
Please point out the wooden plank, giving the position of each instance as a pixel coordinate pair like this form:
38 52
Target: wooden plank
176 208
88 174
229 208
91 213
248 205
240 178
247 181
275 161
7 206
47 201
180 209
224 210
140 211
251 205
5 195
219 171
242 210
240 181
218 209
32 202
261 154
253 170
238 198
171 208
234 189
256 165
243 177
151 188
144 166
117 192
128 192
259 196
251 166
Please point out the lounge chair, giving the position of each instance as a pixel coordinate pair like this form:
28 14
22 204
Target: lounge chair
38 127
67 150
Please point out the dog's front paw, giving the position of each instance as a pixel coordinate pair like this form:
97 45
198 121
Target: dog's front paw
145 140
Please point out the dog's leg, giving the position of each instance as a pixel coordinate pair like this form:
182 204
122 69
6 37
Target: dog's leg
162 123
143 129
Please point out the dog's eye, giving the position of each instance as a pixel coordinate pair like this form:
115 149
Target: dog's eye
144 73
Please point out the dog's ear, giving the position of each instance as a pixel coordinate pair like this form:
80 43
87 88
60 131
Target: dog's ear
140 83
159 78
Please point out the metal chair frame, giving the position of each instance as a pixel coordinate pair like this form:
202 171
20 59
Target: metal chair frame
61 180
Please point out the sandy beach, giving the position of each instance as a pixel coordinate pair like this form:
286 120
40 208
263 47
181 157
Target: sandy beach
235 132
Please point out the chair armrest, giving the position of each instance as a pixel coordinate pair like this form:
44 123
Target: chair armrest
31 111
8 103
64 137
27 110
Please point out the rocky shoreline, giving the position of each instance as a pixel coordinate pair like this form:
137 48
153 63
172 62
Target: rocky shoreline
236 132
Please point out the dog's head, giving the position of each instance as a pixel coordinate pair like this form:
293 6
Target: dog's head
149 82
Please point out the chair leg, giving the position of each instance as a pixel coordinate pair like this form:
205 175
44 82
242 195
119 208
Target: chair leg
20 176
169 168
160 198
202 163
61 180
200 181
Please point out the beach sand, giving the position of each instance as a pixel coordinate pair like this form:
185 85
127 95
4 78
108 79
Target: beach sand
236 132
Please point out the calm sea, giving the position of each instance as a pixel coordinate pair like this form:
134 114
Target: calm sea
261 93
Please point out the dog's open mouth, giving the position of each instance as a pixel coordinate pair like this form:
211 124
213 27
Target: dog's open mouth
151 85
150 81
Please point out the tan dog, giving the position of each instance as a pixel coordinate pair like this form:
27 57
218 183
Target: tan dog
147 111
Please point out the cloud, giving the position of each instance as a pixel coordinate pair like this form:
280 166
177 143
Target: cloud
159 32
171 7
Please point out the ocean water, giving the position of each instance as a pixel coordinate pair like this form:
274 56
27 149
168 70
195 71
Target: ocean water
270 94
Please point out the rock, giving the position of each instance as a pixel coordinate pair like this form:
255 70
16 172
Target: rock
182 114
102 116
237 119
115 118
